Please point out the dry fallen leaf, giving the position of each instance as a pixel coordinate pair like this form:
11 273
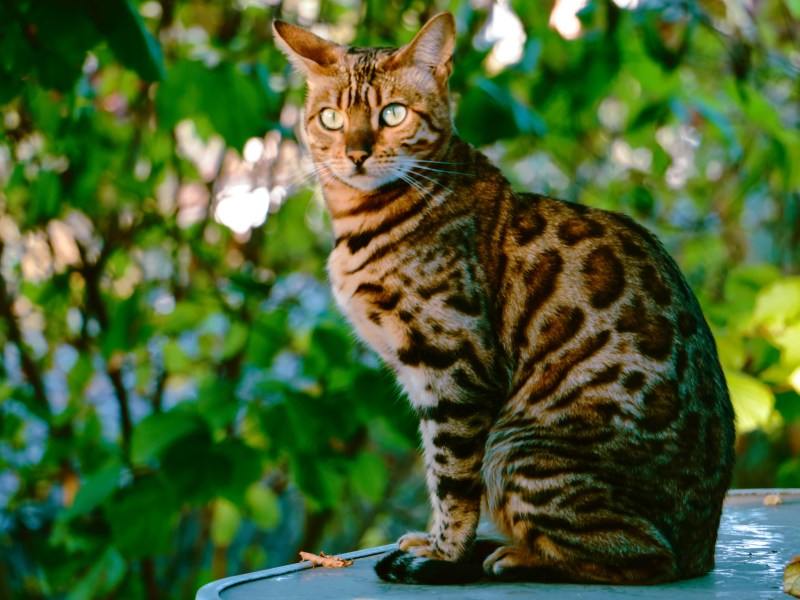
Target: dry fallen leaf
791 577
772 500
332 562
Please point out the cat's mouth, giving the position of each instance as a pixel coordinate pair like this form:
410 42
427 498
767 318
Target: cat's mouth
364 178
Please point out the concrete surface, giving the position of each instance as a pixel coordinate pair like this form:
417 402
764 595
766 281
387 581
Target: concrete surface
755 543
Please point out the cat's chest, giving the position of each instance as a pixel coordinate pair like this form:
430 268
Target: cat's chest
391 296
371 296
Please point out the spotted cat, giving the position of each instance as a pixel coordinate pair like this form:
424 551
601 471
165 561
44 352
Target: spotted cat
562 371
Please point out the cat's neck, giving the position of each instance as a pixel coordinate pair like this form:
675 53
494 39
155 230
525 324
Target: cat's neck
452 172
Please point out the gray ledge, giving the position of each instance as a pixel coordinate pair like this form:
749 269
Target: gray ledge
755 544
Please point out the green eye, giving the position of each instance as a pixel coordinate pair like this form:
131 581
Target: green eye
394 114
331 119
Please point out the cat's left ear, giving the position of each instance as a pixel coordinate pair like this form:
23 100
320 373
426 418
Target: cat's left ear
432 47
309 53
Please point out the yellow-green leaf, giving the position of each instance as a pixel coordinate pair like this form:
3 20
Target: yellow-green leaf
778 304
224 522
753 401
263 505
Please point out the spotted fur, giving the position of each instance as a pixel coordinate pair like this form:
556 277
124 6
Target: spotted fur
561 368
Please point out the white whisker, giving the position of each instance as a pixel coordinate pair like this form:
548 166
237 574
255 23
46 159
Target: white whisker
413 166
436 181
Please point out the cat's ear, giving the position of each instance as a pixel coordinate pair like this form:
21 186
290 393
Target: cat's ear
309 53
432 47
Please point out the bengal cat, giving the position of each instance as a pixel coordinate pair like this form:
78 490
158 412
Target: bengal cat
560 365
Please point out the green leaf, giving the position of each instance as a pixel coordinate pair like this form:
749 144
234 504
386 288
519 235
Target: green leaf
753 401
788 475
196 469
61 35
788 405
235 339
127 36
369 476
263 506
482 120
186 315
175 359
225 521
155 433
142 517
320 480
95 489
778 304
330 347
80 374
788 340
104 575
127 326
46 198
245 467
731 351
194 91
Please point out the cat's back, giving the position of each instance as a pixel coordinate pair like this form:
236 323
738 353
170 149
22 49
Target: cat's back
590 299
616 371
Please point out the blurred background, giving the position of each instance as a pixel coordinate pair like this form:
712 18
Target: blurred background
180 401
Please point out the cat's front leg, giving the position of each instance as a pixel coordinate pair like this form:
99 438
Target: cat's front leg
453 437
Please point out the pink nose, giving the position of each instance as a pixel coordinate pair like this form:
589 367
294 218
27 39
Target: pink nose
357 156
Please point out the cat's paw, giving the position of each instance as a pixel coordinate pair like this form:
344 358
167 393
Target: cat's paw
422 545
413 539
505 559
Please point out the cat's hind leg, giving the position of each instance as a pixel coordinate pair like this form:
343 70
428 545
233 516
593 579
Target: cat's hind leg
565 523
545 560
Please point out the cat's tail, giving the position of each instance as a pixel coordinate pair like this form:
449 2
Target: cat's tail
402 567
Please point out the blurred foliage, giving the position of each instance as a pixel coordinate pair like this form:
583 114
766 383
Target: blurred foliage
179 402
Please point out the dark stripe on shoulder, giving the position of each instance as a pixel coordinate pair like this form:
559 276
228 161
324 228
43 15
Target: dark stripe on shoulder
541 280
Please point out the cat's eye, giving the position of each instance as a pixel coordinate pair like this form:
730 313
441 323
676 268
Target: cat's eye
394 114
331 119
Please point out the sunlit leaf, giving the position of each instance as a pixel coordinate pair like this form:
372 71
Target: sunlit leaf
225 521
753 401
778 304
263 506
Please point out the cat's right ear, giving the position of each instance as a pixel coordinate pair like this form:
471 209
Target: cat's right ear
309 53
431 48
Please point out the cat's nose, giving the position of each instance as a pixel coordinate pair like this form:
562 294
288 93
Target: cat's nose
358 156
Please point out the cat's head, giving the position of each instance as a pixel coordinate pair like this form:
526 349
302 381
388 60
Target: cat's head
372 112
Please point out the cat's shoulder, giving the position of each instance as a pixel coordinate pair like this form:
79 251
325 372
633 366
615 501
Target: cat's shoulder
580 215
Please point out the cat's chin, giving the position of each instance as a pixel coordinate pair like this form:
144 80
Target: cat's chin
366 183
